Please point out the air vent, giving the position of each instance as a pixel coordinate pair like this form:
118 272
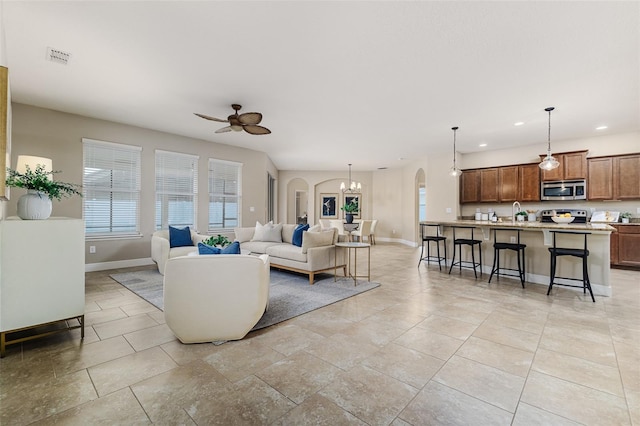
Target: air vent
55 55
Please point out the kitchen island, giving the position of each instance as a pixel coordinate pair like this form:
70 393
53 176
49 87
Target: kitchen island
538 238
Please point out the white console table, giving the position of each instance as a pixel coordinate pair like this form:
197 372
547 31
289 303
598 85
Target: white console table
41 276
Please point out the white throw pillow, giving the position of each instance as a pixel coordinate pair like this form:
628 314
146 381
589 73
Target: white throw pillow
316 239
268 232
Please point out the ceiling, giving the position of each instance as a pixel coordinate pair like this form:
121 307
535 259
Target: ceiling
368 83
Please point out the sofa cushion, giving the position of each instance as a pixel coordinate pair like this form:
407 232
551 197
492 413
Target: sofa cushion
179 237
287 251
244 234
287 232
317 239
296 239
259 247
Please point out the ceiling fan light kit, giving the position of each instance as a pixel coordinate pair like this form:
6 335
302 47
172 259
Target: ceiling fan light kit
549 163
237 122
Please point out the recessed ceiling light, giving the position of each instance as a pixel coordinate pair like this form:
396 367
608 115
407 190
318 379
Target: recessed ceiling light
519 123
601 127
483 144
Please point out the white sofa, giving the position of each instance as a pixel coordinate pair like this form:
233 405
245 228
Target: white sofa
215 297
161 250
308 259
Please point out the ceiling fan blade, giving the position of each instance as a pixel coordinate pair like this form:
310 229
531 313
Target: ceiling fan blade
224 129
256 130
206 117
250 118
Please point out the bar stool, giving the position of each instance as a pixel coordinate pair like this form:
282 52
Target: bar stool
471 242
583 253
428 239
517 247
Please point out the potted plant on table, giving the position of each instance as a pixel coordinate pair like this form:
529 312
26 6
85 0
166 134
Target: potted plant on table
625 217
41 189
217 241
521 215
349 209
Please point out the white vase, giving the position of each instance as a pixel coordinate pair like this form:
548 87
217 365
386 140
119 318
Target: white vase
520 218
34 205
625 220
531 217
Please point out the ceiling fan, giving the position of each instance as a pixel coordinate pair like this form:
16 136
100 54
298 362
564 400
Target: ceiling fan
247 122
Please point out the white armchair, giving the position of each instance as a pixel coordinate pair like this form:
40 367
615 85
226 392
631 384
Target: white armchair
161 251
215 297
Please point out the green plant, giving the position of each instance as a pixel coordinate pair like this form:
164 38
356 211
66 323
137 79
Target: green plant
522 213
350 207
218 240
626 215
42 181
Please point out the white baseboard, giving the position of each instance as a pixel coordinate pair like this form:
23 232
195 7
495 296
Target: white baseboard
105 266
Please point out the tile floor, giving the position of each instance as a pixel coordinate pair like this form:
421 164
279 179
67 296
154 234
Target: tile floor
424 348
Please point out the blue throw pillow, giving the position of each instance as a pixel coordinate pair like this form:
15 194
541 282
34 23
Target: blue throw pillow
297 234
234 248
179 237
205 249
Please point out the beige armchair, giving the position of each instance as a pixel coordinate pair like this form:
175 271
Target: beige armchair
215 297
161 250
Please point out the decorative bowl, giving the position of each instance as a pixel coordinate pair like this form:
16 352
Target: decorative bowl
558 219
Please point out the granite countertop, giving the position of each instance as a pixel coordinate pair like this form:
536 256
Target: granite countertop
530 226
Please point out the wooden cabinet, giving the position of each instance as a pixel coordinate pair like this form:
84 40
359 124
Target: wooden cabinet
573 165
508 181
625 246
626 177
614 177
489 186
529 182
600 175
470 186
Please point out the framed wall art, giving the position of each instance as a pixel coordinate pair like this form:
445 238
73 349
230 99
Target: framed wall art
348 198
328 206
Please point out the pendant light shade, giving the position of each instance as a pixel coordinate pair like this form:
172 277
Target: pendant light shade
454 171
549 163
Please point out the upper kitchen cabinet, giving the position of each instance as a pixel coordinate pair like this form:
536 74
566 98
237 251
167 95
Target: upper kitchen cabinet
470 186
508 181
573 165
614 177
489 185
528 182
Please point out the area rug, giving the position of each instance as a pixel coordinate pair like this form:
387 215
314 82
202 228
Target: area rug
290 294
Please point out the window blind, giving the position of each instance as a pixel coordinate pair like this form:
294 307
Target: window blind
176 189
111 188
225 187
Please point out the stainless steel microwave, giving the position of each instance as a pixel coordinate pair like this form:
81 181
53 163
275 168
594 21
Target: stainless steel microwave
563 190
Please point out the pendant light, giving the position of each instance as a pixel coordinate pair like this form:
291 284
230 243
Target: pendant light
454 172
353 186
549 163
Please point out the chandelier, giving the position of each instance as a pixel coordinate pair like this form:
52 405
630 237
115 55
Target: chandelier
454 171
549 163
353 186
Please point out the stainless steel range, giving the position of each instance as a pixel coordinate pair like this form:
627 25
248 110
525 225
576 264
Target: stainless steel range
580 215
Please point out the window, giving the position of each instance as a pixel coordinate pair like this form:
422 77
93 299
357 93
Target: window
176 189
271 197
111 188
225 191
422 203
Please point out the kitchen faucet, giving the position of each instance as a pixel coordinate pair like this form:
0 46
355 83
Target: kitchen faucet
513 212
